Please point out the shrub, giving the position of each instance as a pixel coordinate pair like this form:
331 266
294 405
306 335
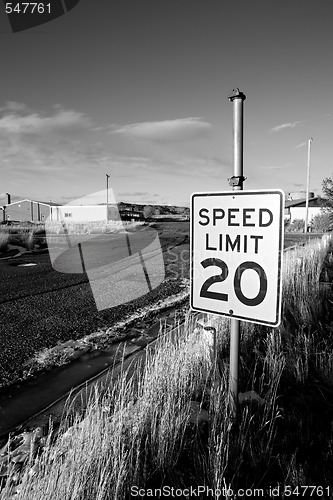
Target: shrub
322 222
296 226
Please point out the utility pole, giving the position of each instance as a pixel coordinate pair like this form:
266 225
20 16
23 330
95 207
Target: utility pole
307 187
107 197
236 181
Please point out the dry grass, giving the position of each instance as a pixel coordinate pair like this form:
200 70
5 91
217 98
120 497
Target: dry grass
26 236
4 237
99 227
136 427
143 430
302 294
18 235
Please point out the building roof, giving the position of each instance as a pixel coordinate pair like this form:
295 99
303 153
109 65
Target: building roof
48 203
313 202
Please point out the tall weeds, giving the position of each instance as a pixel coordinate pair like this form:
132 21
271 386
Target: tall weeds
99 227
4 238
301 291
168 421
20 236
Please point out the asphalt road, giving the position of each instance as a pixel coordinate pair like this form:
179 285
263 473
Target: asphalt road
40 306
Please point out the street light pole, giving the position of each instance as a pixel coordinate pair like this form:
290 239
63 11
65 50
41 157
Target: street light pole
307 188
107 197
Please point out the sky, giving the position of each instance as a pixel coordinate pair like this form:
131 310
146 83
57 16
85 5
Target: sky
138 90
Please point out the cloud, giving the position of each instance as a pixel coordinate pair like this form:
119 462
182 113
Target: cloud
298 184
59 147
134 193
286 125
44 142
15 107
276 167
61 122
178 130
300 145
144 197
3 198
97 198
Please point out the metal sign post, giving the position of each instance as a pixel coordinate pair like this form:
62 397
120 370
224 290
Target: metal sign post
236 181
307 188
239 233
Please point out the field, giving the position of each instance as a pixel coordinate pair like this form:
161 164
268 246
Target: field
169 424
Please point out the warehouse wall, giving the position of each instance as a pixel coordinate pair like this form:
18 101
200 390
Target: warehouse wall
85 213
27 210
300 212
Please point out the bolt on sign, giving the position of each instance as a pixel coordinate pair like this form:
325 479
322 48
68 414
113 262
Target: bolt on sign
236 254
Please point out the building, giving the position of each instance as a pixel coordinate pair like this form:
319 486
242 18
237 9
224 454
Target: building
131 215
295 206
130 212
40 211
84 213
27 210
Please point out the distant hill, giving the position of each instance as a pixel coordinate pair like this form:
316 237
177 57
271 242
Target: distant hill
151 211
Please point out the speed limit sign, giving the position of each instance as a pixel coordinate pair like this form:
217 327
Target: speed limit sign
236 254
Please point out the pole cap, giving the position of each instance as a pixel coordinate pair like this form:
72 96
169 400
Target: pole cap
236 94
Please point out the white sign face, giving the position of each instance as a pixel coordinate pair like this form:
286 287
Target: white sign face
236 254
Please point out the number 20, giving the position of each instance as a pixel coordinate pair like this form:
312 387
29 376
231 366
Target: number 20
204 292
